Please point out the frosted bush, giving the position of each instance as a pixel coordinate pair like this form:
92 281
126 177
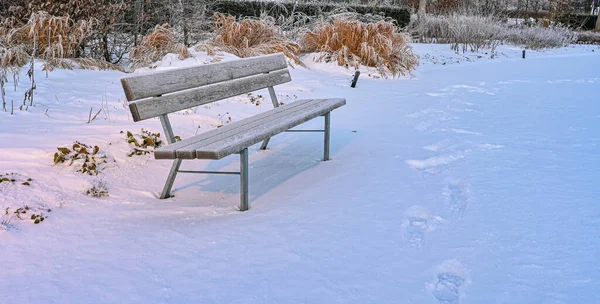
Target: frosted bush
540 37
462 31
472 33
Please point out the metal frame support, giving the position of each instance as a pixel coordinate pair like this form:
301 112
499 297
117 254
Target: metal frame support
166 124
275 105
327 136
209 172
244 180
305 131
166 193
244 206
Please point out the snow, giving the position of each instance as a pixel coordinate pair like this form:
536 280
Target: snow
474 182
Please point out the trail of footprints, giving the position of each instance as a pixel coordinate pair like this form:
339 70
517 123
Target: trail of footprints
450 282
451 278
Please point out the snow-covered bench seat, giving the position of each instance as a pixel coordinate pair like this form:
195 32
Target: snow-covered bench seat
161 93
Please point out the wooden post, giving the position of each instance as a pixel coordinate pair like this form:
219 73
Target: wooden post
355 79
244 180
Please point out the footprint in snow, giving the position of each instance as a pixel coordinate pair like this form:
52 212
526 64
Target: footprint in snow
417 221
458 196
451 280
435 164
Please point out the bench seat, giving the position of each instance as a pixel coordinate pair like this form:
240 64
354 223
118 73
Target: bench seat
236 136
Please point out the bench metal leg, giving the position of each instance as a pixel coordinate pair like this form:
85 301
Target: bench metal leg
166 193
244 180
327 136
275 105
263 146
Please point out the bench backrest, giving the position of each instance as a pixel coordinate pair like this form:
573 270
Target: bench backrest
173 90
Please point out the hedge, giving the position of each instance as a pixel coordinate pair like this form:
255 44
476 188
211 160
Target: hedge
586 22
254 9
574 21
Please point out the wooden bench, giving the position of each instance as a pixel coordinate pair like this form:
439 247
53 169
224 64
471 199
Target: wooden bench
161 93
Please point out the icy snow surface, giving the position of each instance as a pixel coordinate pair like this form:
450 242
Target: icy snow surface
474 181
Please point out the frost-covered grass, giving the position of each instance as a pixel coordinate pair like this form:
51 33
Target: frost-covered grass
250 37
587 37
533 37
476 32
352 43
155 45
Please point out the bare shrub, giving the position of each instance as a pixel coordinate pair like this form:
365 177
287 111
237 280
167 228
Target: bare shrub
352 43
251 37
156 45
475 32
464 32
588 37
540 38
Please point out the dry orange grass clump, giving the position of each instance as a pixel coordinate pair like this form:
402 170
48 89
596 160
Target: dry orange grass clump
354 43
251 37
57 40
156 45
51 36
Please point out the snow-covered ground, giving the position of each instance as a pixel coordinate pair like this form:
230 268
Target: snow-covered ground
474 182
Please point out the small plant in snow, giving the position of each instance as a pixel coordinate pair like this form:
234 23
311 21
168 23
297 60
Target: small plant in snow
97 190
6 223
87 158
223 119
144 142
23 213
255 99
14 178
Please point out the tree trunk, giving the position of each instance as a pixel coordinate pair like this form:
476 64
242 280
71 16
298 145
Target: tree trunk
598 21
184 23
105 49
422 9
138 12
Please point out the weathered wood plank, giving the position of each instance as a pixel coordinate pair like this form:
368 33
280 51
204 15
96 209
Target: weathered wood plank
189 152
232 145
170 151
235 143
169 81
148 108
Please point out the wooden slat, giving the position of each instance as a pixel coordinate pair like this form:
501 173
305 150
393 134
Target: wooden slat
169 81
269 128
148 108
235 144
189 152
170 151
